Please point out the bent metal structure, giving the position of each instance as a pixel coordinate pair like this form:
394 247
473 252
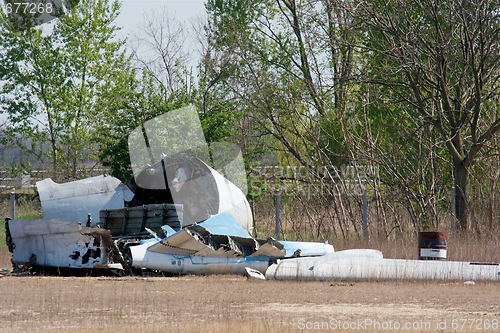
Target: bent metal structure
370 265
217 245
61 244
181 215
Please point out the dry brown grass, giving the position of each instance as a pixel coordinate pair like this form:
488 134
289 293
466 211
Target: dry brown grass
473 248
233 304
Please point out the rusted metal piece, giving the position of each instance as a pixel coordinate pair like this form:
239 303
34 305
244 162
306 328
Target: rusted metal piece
432 245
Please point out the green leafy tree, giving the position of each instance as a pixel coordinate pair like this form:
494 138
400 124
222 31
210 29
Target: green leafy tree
440 58
147 102
60 88
301 73
164 84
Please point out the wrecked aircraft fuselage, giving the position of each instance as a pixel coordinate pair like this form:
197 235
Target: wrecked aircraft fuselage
217 245
365 264
76 201
62 244
66 237
151 236
183 215
188 181
189 195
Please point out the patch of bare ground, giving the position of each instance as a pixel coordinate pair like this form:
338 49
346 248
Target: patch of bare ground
235 304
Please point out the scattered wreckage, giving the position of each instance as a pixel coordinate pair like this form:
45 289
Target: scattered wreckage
180 215
365 264
58 244
153 236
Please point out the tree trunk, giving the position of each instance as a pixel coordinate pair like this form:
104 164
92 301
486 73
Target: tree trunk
461 180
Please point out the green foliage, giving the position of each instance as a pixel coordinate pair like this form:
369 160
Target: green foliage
438 61
145 104
284 77
231 19
62 86
407 89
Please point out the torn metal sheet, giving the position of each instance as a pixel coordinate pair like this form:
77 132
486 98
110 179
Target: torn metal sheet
192 264
223 229
221 224
188 242
217 245
370 265
271 248
58 243
182 242
219 236
254 274
73 201
167 230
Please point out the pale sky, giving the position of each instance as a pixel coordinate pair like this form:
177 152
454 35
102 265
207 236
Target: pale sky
133 11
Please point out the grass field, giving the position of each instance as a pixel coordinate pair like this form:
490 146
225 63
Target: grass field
235 304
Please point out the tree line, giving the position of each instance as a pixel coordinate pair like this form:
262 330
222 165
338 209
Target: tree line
406 92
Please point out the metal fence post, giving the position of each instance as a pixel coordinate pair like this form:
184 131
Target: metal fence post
12 205
365 214
277 194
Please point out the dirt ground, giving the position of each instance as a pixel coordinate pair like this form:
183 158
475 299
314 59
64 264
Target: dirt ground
235 304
